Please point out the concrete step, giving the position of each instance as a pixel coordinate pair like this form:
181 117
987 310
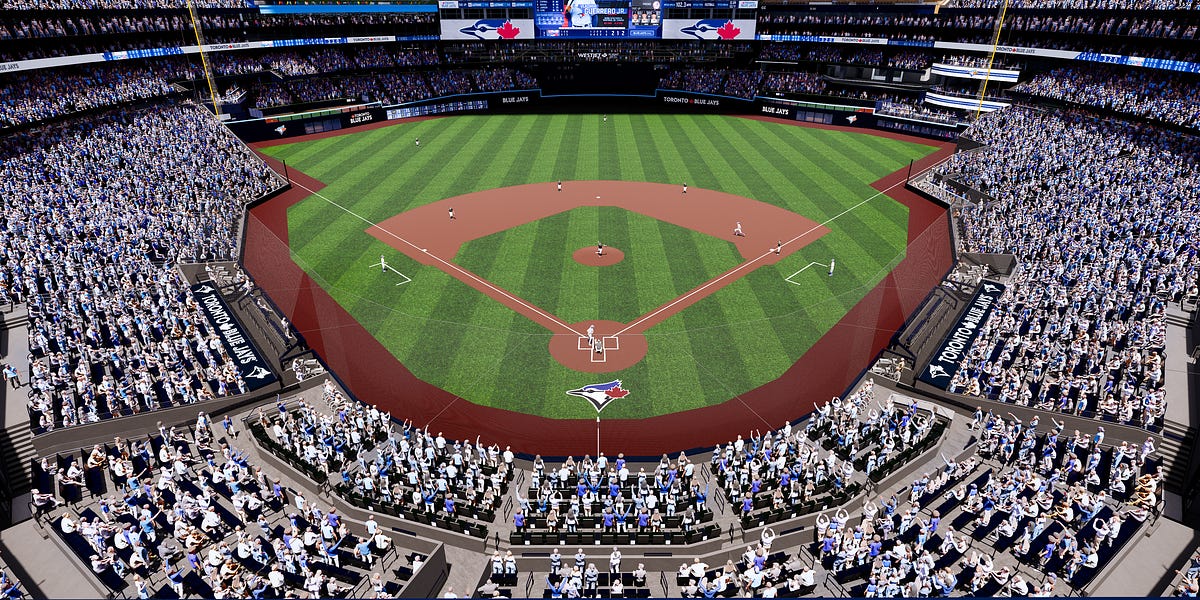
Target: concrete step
16 450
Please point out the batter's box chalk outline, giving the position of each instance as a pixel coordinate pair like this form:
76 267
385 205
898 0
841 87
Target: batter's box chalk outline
599 357
407 279
806 267
611 342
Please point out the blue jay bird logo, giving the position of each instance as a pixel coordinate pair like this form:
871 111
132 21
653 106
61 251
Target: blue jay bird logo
498 28
712 29
600 394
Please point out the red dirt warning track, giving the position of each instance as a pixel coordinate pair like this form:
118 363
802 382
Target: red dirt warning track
373 375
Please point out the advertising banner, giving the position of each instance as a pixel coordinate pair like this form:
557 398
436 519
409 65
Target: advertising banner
487 29
975 72
944 364
708 29
253 367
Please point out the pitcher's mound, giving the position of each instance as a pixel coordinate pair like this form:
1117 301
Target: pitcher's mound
587 256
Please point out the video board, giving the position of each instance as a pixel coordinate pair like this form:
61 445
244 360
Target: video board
598 18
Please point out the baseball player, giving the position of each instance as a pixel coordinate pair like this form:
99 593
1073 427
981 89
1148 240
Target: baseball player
591 331
778 247
560 185
605 118
451 213
685 187
418 142
599 249
598 345
382 264
831 263
737 230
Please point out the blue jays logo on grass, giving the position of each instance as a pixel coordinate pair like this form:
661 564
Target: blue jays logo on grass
492 29
600 394
712 29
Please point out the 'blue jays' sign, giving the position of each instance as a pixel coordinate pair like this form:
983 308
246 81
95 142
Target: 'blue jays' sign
944 364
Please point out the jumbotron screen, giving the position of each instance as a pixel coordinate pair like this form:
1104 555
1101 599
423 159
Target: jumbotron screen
598 18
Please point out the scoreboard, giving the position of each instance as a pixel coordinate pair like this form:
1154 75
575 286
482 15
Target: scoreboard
592 19
598 18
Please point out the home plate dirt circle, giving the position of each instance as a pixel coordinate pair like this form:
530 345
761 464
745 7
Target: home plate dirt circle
587 256
619 352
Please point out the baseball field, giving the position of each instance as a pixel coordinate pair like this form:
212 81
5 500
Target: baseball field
492 306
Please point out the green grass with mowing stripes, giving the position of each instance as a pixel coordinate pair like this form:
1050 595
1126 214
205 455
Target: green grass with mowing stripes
621 292
739 338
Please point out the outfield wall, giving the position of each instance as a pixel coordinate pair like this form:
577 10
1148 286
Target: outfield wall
813 109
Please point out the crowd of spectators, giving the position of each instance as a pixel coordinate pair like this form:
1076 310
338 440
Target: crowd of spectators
185 513
389 87
702 81
1181 26
26 26
785 468
830 54
970 89
795 82
1102 219
1171 98
118 4
915 61
408 467
1058 504
981 62
91 247
1081 4
739 83
1142 35
922 112
38 95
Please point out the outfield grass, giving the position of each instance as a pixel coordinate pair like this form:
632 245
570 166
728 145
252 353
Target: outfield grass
739 338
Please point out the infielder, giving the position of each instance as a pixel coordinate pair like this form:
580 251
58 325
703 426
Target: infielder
685 187
737 230
560 185
451 213
778 246
599 249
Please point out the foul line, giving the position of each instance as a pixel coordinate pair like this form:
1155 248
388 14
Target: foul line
766 254
451 265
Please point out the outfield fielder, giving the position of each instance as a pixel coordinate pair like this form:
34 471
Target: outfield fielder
831 263
382 264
